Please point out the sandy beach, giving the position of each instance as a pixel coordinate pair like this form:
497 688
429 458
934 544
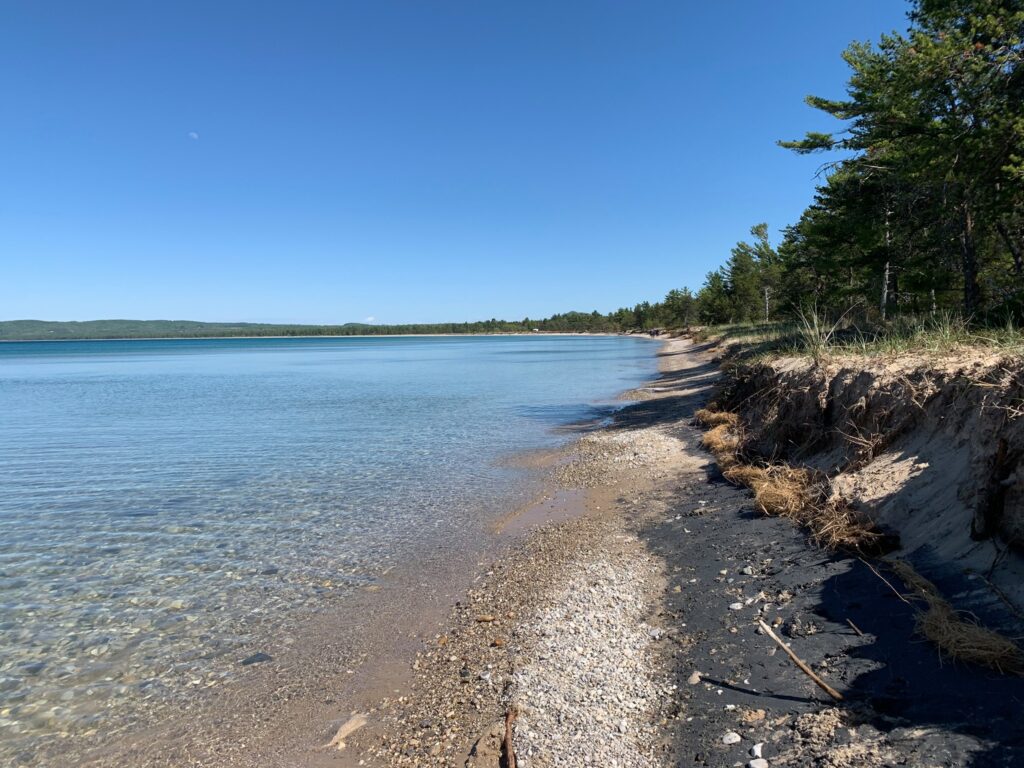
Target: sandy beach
615 624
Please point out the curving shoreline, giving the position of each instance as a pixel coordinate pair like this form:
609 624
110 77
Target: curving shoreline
621 629
627 636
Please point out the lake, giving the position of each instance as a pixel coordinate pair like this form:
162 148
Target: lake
165 503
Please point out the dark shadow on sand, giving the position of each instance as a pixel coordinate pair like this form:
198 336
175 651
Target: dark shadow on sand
894 683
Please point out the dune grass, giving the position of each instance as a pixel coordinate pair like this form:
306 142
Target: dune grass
812 335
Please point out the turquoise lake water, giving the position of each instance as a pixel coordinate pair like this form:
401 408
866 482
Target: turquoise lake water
165 502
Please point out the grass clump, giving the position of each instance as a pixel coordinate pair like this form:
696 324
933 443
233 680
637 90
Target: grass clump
958 635
778 490
812 335
796 493
711 418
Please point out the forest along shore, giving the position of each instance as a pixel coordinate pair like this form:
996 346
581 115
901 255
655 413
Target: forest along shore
629 637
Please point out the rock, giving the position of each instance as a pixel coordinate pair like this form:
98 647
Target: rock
758 763
694 678
732 738
485 618
256 658
747 570
736 606
498 642
33 667
755 751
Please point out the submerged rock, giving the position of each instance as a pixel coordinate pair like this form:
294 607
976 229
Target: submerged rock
256 658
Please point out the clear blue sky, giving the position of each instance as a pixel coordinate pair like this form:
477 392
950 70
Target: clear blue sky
407 161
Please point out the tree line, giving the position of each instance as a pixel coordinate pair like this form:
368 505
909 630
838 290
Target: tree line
923 211
35 330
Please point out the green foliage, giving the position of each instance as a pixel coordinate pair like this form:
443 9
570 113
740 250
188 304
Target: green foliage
743 290
922 215
925 211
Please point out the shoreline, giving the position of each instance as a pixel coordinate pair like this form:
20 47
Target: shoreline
354 664
640 572
342 336
689 678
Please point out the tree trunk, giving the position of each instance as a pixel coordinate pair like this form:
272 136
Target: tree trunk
885 274
885 290
1014 248
969 260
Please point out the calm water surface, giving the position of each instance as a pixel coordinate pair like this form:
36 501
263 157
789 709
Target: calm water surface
164 504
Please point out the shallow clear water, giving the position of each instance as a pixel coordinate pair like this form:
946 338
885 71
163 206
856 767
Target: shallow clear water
163 503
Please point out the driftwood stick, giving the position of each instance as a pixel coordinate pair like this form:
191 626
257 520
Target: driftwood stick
803 667
885 581
855 627
510 751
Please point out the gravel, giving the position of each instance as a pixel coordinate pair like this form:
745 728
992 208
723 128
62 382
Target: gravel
586 690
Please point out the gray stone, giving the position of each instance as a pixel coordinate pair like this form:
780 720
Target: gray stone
256 658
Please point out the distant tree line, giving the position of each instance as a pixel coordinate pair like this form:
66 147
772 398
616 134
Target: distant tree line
34 330
924 211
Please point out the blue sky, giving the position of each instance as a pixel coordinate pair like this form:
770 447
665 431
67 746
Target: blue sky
405 161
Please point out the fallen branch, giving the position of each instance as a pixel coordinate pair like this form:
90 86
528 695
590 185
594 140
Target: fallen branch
885 581
510 751
855 627
799 662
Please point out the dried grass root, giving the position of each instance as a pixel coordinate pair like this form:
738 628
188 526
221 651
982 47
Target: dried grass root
791 492
723 443
711 418
959 636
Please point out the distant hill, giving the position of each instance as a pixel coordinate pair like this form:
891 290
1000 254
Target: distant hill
36 330
33 330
